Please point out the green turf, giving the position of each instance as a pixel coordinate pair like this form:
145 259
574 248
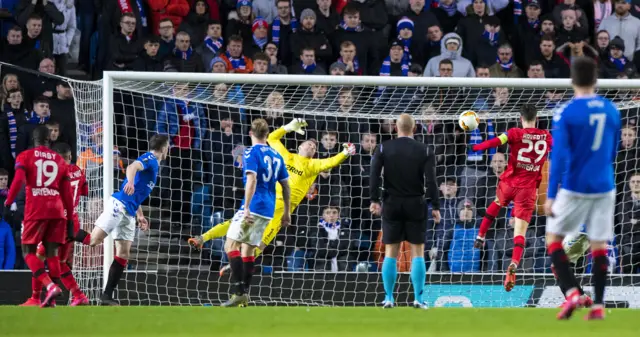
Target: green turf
303 322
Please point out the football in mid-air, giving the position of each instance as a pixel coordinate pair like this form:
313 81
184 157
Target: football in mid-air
469 120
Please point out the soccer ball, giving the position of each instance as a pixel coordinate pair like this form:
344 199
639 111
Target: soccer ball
469 120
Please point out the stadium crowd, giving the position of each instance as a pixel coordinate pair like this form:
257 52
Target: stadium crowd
333 230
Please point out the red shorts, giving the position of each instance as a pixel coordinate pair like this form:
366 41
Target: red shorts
64 251
524 200
49 230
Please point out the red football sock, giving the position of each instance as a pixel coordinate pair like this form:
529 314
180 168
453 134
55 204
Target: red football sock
518 249
37 269
54 268
36 289
83 236
490 215
69 281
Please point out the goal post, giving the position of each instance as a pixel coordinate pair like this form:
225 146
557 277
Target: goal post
196 191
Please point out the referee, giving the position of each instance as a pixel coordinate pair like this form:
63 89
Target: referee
407 163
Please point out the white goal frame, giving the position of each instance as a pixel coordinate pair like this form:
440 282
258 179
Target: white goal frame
109 78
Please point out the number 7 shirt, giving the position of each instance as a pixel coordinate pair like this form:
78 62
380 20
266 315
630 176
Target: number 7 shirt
48 195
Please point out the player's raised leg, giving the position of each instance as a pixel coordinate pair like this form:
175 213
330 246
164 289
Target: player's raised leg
524 204
490 215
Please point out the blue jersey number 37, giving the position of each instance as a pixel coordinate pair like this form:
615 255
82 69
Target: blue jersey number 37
598 120
271 162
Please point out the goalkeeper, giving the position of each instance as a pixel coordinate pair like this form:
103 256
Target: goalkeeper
303 171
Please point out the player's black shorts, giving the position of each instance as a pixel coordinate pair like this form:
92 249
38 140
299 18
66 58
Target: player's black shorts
404 219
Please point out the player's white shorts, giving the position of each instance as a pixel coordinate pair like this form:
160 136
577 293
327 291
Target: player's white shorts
571 210
243 232
116 222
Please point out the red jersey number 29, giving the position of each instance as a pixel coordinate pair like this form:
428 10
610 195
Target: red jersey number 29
46 169
539 147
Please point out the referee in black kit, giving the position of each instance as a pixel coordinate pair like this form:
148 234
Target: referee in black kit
407 163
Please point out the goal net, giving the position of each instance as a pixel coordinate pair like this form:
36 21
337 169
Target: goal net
331 253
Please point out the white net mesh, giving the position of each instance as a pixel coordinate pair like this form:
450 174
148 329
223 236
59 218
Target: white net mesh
200 186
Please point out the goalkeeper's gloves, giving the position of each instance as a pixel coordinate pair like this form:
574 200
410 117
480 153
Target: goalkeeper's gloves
296 125
349 149
70 233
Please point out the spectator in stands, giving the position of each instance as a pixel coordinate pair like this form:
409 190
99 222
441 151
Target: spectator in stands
274 104
445 68
196 23
547 25
329 241
625 25
493 6
469 27
275 67
485 48
482 71
307 64
39 18
337 69
174 10
17 53
185 123
184 57
602 44
38 116
361 52
259 39
241 21
327 19
451 49
602 9
527 34
316 99
309 36
11 120
396 62
462 256
148 60
212 45
569 30
63 33
422 19
554 66
627 159
356 175
505 67
218 66
124 45
629 226
87 14
9 82
373 18
54 131
580 18
63 110
14 102
441 233
431 48
576 48
616 63
328 142
282 28
167 38
236 61
536 70
218 157
447 15
7 244
214 8
265 9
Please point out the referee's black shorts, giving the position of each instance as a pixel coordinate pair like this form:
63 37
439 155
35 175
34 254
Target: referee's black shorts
404 219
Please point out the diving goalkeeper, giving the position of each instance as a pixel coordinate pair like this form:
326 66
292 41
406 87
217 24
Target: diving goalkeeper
303 171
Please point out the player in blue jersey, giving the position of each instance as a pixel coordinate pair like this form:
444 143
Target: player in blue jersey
262 168
581 182
119 219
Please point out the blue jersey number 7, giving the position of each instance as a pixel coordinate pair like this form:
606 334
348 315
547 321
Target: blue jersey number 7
599 120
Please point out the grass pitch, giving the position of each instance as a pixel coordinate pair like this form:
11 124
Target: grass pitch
303 322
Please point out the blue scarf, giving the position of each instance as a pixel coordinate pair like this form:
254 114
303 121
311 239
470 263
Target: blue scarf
33 118
236 63
260 42
385 69
184 55
13 131
407 52
491 37
534 24
325 224
505 66
214 46
143 16
308 69
183 108
476 138
450 10
517 10
332 229
344 26
356 64
619 63
275 29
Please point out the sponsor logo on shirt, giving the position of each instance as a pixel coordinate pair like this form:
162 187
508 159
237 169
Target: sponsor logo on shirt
293 170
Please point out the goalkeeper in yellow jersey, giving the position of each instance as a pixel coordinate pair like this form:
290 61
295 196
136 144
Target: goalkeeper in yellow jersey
303 170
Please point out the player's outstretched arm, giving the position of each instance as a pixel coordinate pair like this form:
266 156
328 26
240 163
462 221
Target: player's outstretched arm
297 125
321 165
131 172
18 181
491 143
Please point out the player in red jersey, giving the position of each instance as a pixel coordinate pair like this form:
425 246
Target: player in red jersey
79 188
528 151
47 197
